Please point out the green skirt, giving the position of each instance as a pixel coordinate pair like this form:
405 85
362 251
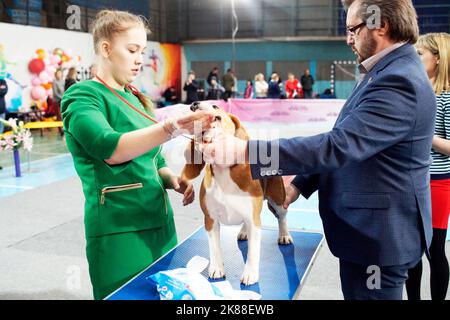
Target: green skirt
116 258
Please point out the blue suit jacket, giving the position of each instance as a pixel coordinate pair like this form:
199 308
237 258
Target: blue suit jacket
372 169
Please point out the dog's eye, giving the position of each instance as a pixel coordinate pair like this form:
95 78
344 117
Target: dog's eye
215 107
218 118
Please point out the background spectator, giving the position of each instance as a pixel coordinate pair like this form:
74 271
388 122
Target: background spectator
3 92
214 73
71 78
170 96
327 94
215 90
292 87
92 71
228 81
307 82
58 91
248 93
261 86
191 87
274 90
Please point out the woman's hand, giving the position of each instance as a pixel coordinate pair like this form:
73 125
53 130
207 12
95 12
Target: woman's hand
194 122
441 145
184 187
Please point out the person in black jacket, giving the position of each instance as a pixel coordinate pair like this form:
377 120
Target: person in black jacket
3 92
170 96
213 74
307 82
71 78
215 90
191 87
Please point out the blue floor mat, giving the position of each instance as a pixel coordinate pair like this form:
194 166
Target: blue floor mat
282 270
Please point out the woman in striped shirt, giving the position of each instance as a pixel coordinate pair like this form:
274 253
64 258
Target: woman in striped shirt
434 50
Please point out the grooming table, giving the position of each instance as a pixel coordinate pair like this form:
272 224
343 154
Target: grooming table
283 268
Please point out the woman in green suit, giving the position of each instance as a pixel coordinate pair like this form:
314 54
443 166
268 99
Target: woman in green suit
116 147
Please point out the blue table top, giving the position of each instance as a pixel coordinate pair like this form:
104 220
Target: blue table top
282 267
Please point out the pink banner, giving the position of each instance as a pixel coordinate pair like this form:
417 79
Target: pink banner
272 110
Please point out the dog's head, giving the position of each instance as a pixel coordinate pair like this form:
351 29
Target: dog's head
224 123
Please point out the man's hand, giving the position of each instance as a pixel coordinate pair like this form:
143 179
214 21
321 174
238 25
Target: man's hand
184 187
292 194
225 150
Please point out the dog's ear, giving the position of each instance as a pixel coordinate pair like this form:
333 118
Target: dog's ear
194 162
239 132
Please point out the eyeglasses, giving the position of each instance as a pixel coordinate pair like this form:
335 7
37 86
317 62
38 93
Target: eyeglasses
351 30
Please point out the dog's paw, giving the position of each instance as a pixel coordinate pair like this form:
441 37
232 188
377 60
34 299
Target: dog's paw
249 276
285 239
216 271
242 236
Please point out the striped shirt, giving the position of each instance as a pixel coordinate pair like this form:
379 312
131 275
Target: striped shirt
440 168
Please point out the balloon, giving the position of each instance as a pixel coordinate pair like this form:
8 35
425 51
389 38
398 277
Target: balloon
40 53
44 77
55 59
58 52
36 66
65 58
38 93
50 73
49 92
47 86
36 81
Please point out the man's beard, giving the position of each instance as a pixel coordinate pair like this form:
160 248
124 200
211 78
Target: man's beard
367 49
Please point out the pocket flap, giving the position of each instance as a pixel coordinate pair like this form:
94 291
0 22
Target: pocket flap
366 200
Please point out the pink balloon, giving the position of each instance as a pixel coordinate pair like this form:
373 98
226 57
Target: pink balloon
38 93
49 92
51 74
36 81
44 77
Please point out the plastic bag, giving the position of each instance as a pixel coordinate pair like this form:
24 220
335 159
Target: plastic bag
188 284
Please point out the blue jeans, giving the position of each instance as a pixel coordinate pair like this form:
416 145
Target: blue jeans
358 281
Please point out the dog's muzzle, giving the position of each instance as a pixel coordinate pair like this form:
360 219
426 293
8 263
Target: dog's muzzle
195 106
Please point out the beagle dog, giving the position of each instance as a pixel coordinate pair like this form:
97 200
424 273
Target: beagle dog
230 196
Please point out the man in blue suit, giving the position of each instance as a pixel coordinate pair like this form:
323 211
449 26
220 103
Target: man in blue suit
371 170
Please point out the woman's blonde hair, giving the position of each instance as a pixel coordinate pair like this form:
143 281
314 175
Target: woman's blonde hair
439 45
107 24
259 77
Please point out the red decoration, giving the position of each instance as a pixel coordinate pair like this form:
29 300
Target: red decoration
36 66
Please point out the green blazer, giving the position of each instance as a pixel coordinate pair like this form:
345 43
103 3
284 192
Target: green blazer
120 198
